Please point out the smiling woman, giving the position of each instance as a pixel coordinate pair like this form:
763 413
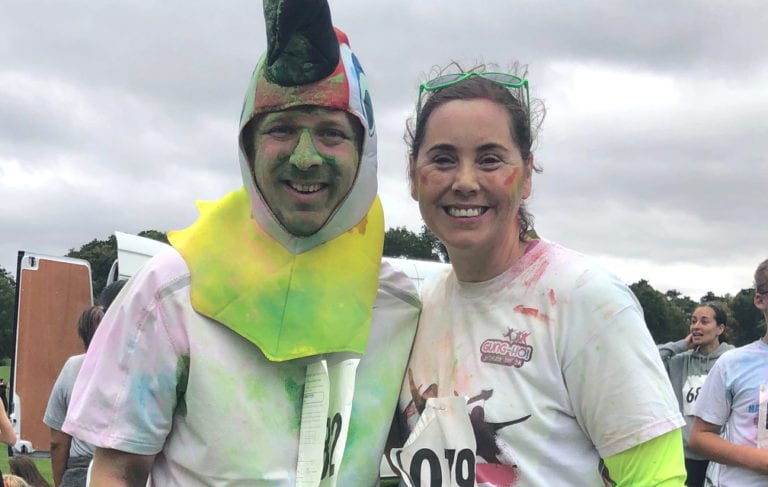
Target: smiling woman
519 348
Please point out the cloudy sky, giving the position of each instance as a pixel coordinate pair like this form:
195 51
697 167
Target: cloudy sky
117 115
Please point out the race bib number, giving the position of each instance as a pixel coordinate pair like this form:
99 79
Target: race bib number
440 452
762 418
325 414
691 390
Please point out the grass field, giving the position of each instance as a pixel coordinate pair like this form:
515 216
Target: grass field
43 464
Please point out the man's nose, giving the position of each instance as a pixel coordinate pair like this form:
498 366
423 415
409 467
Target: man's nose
305 154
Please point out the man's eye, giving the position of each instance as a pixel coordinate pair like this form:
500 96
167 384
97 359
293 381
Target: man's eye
280 131
330 135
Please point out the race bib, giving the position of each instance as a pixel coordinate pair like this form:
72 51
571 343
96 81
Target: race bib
762 418
441 448
325 414
691 390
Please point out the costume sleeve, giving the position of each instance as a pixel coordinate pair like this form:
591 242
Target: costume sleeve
658 462
126 393
715 400
620 392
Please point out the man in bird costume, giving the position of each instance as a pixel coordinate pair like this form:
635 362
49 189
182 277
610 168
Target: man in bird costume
268 346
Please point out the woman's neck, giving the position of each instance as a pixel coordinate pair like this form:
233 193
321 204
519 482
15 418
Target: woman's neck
474 265
709 348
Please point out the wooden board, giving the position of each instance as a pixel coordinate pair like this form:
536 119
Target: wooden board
53 292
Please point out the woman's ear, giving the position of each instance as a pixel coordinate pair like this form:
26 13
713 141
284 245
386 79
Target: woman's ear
412 178
528 183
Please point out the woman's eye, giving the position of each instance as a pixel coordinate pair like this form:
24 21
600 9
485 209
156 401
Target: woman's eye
490 161
442 160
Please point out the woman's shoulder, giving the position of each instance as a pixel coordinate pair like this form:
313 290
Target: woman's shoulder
572 269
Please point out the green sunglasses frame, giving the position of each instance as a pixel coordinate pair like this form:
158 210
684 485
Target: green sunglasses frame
504 79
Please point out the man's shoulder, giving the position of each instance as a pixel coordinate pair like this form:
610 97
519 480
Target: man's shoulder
396 284
164 269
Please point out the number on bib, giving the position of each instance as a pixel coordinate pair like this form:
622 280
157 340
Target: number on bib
332 429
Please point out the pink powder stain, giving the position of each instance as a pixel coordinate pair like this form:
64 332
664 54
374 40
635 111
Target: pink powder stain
496 474
551 295
532 312
537 273
527 311
510 179
462 380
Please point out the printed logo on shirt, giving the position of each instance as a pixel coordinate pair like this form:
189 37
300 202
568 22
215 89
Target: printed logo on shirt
512 351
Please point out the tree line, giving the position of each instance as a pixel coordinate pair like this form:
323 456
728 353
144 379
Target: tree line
666 313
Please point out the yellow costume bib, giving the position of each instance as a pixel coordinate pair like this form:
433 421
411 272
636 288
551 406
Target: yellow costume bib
290 306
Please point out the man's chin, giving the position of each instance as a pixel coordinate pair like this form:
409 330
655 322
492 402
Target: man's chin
303 226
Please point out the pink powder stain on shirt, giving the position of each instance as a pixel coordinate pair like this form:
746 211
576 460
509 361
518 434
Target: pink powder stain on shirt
496 474
537 272
551 295
531 312
462 379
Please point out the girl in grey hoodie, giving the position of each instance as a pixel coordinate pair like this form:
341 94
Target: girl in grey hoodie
688 362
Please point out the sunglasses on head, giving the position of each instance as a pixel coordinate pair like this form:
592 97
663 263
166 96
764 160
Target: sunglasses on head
446 80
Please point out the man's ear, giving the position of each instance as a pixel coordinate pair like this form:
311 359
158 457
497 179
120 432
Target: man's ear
412 178
247 141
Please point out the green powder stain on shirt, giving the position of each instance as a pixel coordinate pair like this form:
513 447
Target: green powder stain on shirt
182 378
295 396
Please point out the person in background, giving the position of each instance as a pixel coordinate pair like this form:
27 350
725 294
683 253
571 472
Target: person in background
532 365
731 425
7 433
24 467
4 393
267 347
70 456
10 480
109 293
688 361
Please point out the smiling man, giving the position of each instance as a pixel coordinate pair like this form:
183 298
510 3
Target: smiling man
244 356
305 162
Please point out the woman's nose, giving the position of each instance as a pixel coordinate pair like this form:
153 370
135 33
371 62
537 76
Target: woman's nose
466 179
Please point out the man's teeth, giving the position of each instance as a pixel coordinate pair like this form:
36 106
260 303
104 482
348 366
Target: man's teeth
306 188
465 212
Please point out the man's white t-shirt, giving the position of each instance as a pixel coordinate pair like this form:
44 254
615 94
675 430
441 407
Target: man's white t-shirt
160 379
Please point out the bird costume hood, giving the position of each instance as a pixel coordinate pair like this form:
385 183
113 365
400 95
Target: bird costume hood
293 296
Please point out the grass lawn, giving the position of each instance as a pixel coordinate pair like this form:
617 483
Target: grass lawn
43 464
